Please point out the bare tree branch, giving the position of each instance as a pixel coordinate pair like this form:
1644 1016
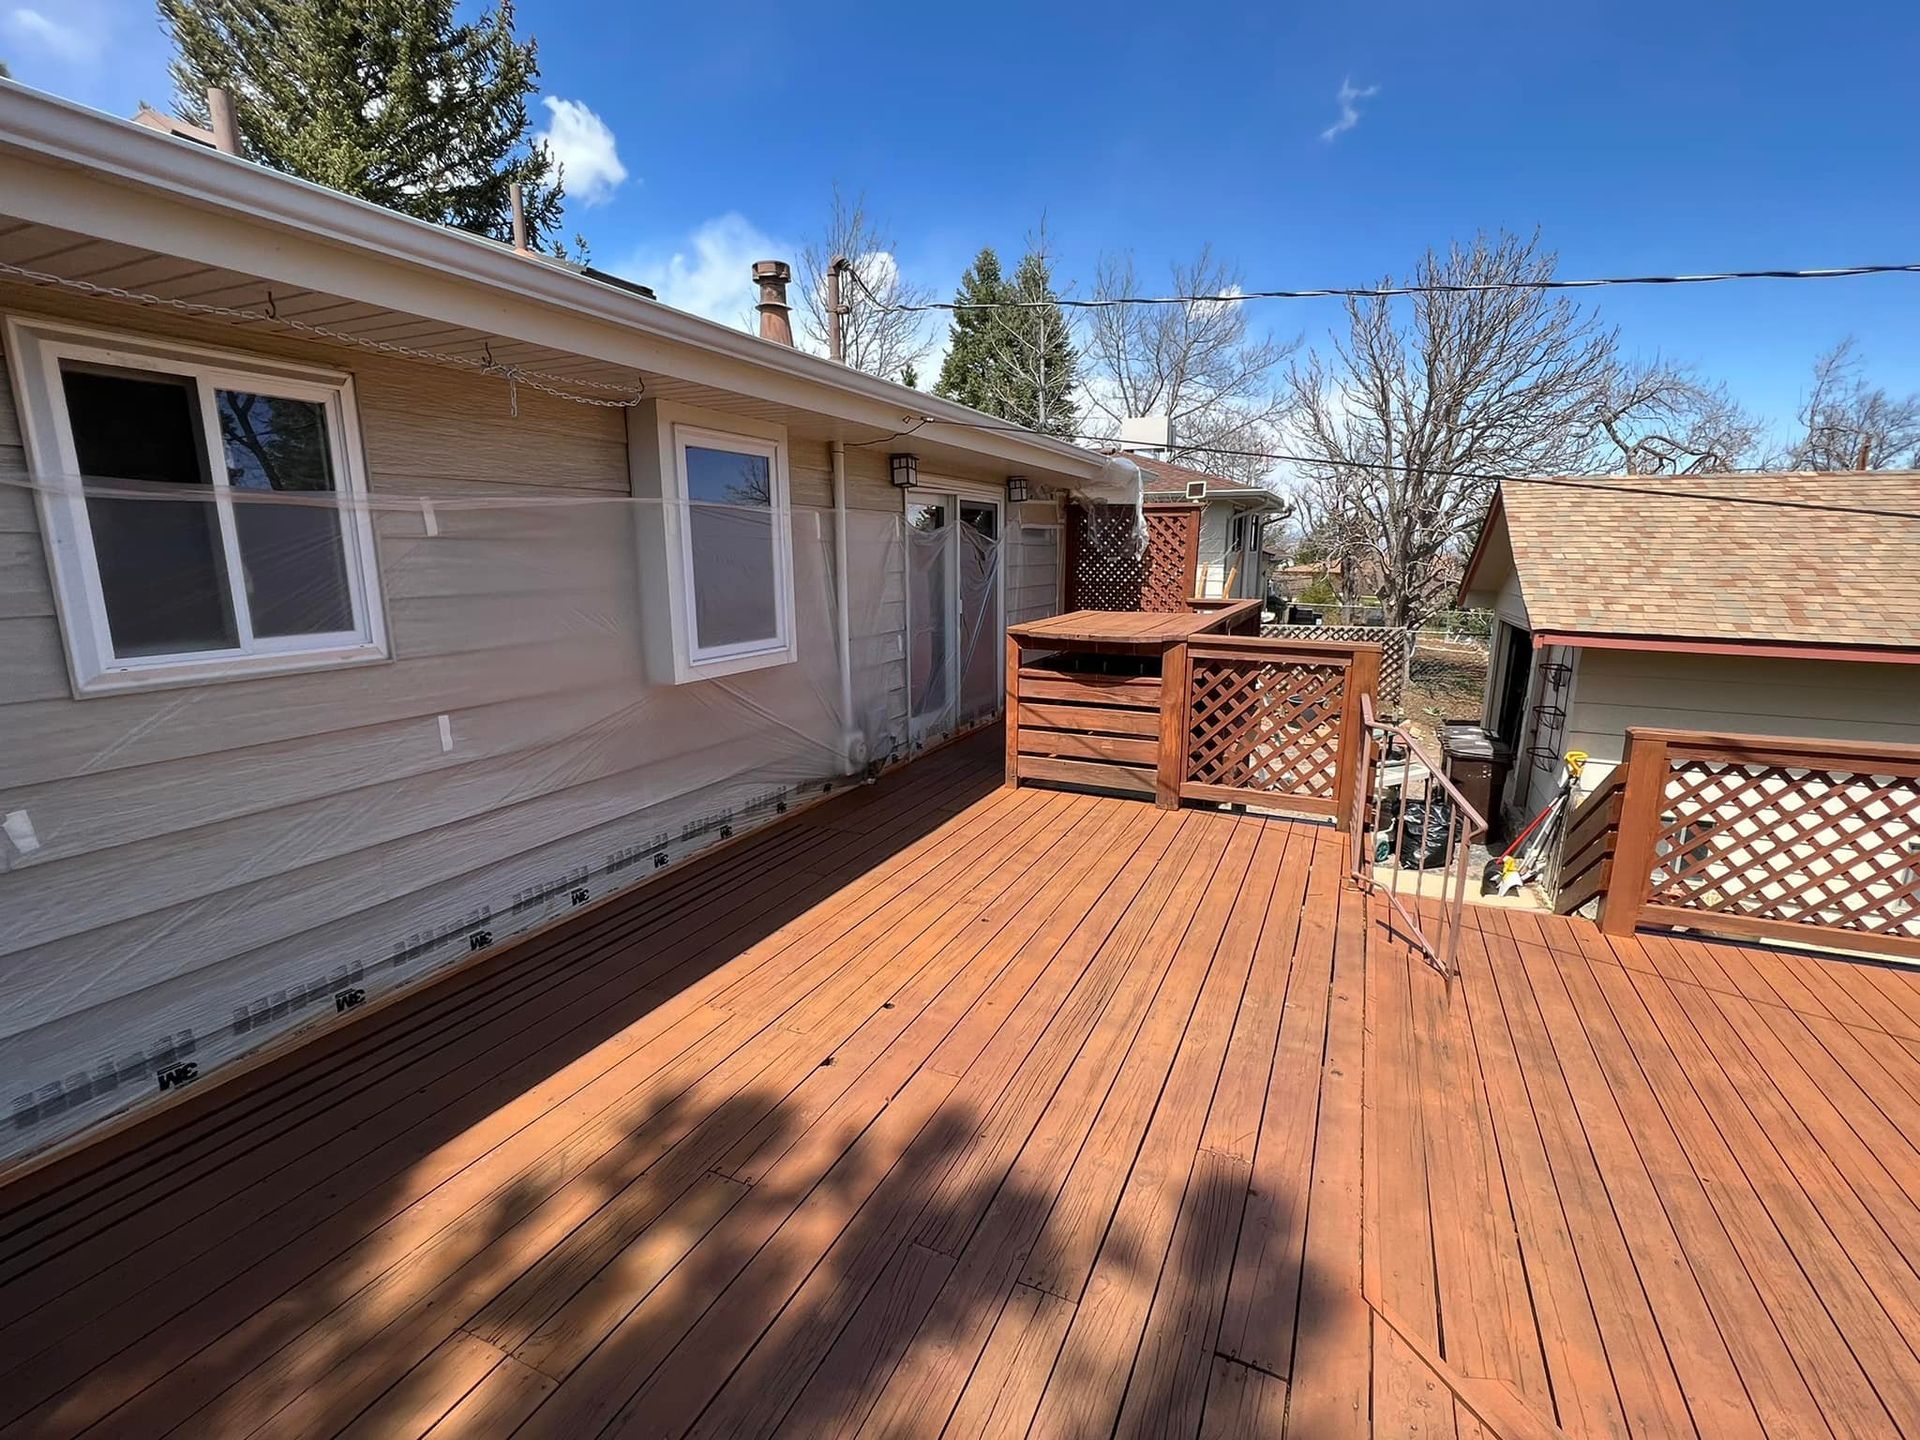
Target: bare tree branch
1501 380
1843 413
879 340
1194 363
1656 418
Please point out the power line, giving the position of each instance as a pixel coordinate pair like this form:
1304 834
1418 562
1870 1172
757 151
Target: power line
1559 482
1380 292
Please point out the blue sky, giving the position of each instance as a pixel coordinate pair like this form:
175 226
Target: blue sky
1636 136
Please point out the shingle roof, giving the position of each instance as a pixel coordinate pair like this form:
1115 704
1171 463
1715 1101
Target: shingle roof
1663 564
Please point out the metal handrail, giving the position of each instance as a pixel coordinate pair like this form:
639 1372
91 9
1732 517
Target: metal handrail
1464 825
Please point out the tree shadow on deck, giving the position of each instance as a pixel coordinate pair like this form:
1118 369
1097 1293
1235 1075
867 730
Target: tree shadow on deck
461 1234
859 1279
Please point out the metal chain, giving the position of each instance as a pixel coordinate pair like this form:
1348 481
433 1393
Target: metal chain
512 374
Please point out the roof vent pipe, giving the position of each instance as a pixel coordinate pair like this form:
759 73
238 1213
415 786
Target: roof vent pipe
226 130
519 203
776 317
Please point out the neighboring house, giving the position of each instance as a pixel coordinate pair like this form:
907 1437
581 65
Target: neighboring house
372 591
1678 603
1234 520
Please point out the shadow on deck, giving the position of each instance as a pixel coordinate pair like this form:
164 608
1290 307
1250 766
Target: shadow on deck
943 1109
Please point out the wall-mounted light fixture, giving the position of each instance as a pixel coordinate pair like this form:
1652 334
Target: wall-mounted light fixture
906 470
1017 489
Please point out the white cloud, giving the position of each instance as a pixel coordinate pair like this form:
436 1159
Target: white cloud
75 44
590 165
712 274
1349 96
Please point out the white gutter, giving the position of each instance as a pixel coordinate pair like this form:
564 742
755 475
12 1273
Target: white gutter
853 744
59 138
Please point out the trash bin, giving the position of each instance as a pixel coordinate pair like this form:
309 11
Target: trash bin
1477 764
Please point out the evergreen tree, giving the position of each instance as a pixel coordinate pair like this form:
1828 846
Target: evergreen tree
391 100
1017 362
970 372
1044 365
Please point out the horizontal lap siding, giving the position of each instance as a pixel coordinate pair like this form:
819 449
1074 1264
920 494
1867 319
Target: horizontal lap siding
216 863
1814 699
1033 574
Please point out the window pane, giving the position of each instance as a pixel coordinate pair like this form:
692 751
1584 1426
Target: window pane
726 477
293 554
162 569
732 575
730 521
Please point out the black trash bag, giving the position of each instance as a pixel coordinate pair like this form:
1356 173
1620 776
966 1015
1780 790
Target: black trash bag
1423 834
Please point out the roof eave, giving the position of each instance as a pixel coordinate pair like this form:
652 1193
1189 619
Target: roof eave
44 128
1760 648
1495 512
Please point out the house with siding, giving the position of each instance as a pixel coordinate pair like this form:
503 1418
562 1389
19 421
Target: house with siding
1235 519
1706 603
372 592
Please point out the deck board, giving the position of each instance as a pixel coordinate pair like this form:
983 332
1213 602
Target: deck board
944 1109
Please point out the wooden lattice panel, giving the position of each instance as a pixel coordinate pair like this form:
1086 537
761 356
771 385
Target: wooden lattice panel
1109 568
1396 653
1271 727
1829 848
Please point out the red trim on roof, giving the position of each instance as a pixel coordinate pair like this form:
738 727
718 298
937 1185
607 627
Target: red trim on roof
1763 649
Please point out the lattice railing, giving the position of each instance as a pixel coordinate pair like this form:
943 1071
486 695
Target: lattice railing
1768 838
1269 721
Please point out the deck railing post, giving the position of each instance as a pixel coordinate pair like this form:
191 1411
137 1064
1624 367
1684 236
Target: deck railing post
1362 678
1640 804
1013 713
1176 674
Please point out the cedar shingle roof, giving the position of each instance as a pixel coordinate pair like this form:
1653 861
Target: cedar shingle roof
1667 565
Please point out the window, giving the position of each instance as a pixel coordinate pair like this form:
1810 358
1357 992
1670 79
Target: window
175 556
735 601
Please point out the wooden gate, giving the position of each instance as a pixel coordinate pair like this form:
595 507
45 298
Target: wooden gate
1108 569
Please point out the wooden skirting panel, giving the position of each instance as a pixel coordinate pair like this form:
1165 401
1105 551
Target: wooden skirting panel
1141 692
1088 730
1260 799
1105 719
1128 779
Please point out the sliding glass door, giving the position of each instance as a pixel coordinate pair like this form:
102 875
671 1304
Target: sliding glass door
955 628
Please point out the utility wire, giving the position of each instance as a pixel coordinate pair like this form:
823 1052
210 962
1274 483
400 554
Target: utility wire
1379 292
1558 482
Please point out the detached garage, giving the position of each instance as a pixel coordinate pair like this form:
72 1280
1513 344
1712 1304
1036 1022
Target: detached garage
1783 604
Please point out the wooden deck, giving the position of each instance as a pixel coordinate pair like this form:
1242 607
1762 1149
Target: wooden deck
943 1109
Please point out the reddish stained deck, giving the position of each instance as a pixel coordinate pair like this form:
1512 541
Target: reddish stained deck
1134 1122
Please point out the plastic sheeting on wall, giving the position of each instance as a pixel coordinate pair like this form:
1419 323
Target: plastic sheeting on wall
953 601
193 870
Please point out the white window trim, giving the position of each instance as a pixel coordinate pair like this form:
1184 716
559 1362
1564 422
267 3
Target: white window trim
692 661
35 347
